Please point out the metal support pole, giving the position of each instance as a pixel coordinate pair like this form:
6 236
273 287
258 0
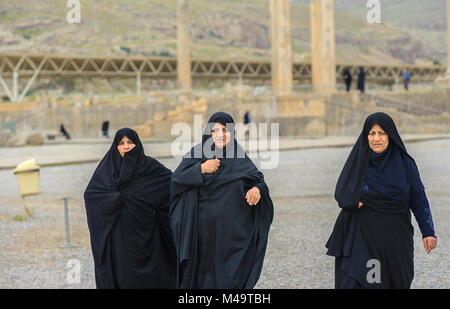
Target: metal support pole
25 205
68 244
15 90
138 83
240 85
27 87
5 87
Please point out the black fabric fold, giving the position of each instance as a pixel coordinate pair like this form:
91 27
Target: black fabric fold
380 230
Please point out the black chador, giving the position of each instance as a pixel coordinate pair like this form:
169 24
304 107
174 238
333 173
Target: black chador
373 244
127 206
220 239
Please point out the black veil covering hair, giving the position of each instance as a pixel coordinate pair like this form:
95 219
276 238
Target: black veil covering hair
127 202
208 147
220 239
351 178
367 233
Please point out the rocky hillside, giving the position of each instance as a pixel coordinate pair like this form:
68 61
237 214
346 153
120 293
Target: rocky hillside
413 31
422 26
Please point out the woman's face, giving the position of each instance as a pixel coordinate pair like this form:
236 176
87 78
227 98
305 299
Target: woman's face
220 135
378 139
125 145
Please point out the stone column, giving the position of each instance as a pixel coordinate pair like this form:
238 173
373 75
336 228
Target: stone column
448 40
183 48
323 57
281 49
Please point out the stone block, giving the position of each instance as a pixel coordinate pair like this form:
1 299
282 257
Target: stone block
199 106
158 116
315 126
35 139
315 108
176 114
5 136
14 141
144 131
291 106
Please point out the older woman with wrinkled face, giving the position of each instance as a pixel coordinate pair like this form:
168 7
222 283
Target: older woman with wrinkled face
378 188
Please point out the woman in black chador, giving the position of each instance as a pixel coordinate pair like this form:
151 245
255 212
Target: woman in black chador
347 79
361 80
377 189
221 212
127 206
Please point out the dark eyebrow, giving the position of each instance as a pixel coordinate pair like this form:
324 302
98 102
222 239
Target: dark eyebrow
129 140
219 128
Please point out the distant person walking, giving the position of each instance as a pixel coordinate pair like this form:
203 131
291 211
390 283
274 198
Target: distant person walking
63 131
247 121
105 128
361 80
406 78
347 79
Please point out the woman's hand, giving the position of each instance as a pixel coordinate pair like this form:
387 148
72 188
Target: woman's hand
429 243
210 166
253 196
360 205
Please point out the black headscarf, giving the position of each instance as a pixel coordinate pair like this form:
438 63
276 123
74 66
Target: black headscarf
385 173
209 149
127 203
220 239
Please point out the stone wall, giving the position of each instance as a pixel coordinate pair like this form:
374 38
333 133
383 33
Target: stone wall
345 113
436 98
153 116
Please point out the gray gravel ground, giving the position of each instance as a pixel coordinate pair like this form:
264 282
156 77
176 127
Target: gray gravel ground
302 189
